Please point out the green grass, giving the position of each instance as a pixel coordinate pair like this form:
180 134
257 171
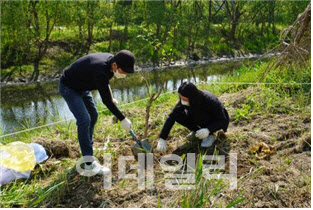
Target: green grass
206 191
31 193
268 99
287 93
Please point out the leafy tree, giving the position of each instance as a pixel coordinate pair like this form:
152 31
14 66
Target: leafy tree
42 18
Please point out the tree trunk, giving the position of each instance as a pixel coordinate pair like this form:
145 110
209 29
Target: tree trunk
233 31
193 42
80 31
123 38
110 38
156 50
209 24
148 116
89 25
35 73
90 36
272 16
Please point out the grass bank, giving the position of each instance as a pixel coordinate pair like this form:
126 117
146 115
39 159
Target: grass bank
277 114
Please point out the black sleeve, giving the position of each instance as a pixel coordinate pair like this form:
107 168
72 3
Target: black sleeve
167 127
218 114
106 97
170 121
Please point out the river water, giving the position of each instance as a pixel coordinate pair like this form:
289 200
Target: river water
28 106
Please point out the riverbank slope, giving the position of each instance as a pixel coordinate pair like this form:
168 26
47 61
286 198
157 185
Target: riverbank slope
277 114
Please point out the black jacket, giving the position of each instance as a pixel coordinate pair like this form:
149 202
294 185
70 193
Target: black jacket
92 72
205 111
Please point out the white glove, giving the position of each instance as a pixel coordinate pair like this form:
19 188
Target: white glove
126 124
161 145
115 101
202 133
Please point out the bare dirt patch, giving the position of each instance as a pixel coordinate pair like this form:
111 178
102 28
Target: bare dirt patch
59 148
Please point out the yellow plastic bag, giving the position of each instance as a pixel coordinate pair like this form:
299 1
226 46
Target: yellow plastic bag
17 156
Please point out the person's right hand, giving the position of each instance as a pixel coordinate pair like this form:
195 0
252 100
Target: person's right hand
115 101
161 145
126 124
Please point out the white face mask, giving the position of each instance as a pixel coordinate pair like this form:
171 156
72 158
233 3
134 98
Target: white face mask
119 75
185 103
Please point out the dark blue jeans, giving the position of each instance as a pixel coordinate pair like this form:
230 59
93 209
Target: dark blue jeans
84 110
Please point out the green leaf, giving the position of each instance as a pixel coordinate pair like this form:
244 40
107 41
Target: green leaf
235 202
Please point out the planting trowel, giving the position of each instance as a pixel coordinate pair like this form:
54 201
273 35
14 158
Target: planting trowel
140 146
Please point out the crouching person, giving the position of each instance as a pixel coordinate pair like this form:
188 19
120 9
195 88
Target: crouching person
199 111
